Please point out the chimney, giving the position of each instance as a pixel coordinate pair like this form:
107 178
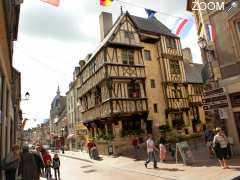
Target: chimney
187 55
82 64
106 23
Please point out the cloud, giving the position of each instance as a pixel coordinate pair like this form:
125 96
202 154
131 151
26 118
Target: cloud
47 23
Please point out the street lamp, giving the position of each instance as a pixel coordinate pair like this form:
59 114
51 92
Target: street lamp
208 54
202 43
27 96
62 130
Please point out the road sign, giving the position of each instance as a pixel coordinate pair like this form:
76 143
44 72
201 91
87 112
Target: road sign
222 113
214 99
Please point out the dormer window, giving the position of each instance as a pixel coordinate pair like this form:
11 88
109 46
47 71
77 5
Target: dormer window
171 43
128 56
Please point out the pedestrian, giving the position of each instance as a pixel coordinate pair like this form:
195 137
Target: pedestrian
94 151
39 162
220 143
209 135
56 166
47 164
11 163
151 148
135 148
162 148
90 145
82 145
28 167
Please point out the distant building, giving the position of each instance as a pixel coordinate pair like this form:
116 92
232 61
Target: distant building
187 55
58 120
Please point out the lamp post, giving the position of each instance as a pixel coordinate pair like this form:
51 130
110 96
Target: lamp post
62 130
207 54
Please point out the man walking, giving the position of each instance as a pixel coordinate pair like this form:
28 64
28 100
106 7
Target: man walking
209 136
151 153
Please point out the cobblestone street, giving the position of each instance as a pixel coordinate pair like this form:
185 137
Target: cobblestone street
78 165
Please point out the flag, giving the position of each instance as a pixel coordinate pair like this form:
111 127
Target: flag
182 27
52 2
210 32
23 123
105 2
150 13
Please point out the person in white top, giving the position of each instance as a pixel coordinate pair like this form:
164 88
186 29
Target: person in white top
151 152
220 143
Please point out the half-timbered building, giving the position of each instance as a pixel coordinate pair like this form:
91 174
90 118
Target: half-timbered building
134 82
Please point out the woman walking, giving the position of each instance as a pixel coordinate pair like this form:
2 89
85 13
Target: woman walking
220 143
39 162
56 166
11 163
162 149
28 167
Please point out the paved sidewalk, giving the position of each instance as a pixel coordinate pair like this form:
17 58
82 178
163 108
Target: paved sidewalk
205 169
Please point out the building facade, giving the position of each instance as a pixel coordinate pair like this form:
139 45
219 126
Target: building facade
225 60
58 123
135 83
9 77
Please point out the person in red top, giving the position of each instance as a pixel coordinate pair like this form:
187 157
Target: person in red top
47 162
135 148
90 145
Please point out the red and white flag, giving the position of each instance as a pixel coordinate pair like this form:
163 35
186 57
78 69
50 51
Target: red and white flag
52 2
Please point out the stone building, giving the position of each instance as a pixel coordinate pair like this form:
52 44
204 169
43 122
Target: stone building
73 112
9 78
135 83
58 121
223 54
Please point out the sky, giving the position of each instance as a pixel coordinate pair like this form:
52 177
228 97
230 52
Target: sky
52 40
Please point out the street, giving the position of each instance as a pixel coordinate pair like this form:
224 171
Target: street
77 165
73 169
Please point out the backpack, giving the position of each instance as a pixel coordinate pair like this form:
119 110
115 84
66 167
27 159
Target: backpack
56 163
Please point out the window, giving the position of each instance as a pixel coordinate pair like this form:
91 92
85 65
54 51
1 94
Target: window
197 90
128 56
129 34
133 90
177 120
174 67
155 108
238 28
152 83
170 42
98 95
147 55
177 93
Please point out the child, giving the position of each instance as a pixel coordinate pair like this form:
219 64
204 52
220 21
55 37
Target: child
56 166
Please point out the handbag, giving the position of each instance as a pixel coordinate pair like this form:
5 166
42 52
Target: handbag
10 165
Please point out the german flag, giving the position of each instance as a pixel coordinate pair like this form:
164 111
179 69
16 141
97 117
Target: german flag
105 2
